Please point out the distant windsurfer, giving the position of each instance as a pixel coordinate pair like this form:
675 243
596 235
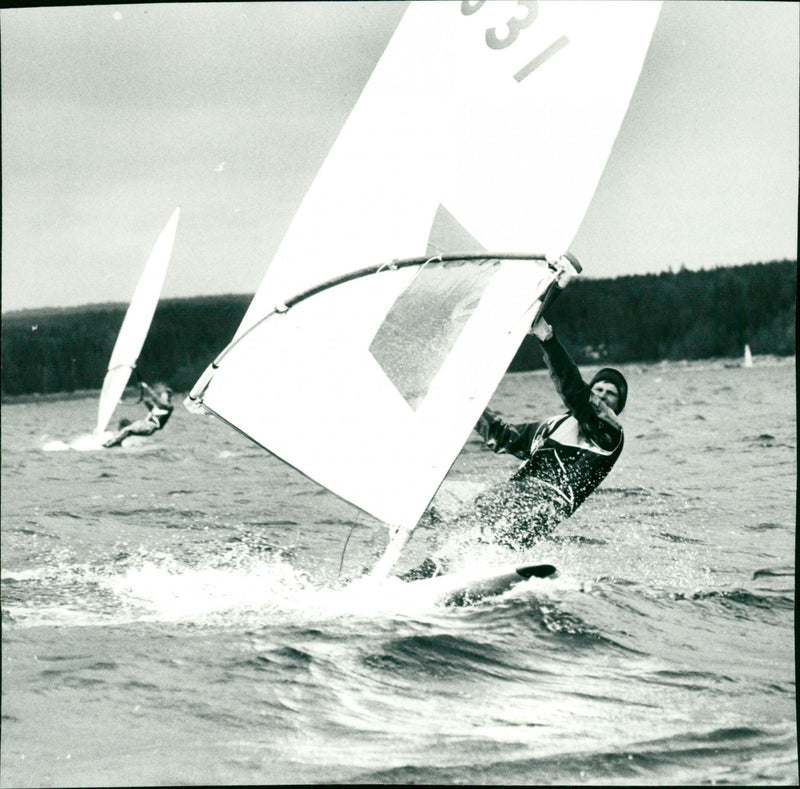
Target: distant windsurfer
566 456
158 400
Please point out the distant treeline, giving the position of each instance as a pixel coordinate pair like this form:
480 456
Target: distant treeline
683 315
672 316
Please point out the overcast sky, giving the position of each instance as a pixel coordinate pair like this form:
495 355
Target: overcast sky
114 115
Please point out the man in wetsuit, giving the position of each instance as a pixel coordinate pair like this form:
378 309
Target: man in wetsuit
159 403
566 456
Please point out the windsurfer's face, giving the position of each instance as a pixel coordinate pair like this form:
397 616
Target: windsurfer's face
608 393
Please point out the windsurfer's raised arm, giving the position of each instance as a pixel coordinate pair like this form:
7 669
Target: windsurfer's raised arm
157 397
595 418
570 385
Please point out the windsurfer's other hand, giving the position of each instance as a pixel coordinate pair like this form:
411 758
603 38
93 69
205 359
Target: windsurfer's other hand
542 329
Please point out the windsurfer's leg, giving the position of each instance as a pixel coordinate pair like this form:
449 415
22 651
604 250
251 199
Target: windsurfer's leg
524 523
116 440
146 431
430 568
141 427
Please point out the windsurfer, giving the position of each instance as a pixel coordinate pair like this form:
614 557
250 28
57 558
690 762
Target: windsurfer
158 400
566 456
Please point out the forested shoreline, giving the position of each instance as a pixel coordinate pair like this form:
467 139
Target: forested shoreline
639 318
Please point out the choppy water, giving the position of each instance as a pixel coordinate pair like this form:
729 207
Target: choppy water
174 613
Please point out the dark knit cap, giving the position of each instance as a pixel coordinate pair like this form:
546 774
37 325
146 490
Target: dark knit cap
613 377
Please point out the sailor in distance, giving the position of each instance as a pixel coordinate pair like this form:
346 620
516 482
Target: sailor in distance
158 400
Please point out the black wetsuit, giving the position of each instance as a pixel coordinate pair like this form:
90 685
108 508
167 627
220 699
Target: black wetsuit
566 458
158 414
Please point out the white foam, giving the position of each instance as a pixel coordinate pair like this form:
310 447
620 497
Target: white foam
86 442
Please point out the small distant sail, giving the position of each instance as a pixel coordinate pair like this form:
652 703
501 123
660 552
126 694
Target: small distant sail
493 118
748 357
136 323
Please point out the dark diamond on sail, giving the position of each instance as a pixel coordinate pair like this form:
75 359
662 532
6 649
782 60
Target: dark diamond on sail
448 235
422 326
424 323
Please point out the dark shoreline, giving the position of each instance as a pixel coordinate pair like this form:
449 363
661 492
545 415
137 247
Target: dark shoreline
673 315
720 362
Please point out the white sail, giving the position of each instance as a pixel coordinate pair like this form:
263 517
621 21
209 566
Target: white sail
500 115
372 387
136 323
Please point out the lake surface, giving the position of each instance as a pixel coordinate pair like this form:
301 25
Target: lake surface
177 612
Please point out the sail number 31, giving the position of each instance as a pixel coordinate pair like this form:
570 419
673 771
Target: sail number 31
513 27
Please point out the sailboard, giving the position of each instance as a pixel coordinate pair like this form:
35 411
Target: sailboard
375 341
468 587
136 324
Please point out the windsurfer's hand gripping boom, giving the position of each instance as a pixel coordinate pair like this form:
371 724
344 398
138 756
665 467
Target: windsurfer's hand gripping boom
541 329
567 267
